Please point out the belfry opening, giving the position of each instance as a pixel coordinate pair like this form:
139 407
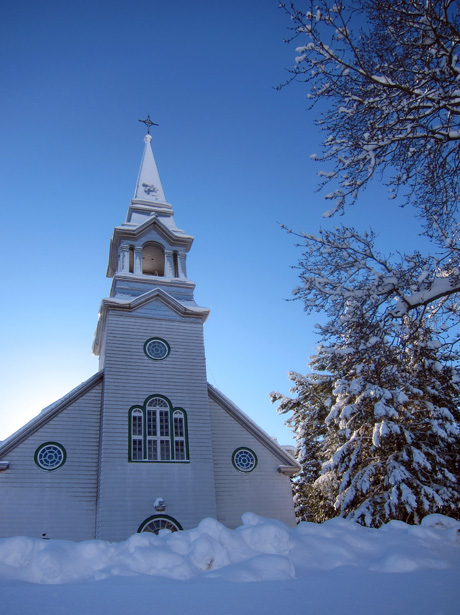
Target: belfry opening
153 259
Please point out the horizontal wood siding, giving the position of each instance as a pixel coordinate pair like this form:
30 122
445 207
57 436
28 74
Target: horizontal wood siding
263 491
129 489
61 503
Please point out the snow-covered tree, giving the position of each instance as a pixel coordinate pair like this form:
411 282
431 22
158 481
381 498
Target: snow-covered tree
342 263
380 410
379 413
388 76
313 498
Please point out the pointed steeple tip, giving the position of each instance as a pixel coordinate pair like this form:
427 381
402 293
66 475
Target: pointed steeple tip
148 187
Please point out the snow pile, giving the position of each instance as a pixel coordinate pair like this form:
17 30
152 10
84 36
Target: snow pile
259 550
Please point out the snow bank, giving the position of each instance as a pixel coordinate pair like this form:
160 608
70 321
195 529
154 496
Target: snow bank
259 550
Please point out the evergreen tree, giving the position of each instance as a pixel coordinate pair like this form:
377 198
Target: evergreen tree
307 418
380 412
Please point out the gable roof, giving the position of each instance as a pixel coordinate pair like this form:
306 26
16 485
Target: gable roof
288 465
50 412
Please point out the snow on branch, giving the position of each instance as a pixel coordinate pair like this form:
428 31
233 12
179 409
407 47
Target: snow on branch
341 271
388 73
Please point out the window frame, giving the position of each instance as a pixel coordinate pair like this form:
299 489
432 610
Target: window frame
171 438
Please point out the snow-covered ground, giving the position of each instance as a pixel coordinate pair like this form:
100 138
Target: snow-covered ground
261 567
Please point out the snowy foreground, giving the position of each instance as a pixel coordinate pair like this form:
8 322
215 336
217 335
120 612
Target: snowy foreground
261 567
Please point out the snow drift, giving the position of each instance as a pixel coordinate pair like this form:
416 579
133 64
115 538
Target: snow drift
259 550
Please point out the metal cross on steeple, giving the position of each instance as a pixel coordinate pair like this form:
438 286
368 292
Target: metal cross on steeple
148 122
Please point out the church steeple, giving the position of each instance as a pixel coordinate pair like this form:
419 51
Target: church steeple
148 253
148 187
149 244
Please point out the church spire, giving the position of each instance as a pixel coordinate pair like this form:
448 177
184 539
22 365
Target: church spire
148 187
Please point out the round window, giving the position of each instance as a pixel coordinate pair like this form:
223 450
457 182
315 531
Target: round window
50 456
158 522
156 349
244 459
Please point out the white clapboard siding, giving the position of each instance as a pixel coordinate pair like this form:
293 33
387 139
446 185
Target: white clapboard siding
61 503
129 489
264 491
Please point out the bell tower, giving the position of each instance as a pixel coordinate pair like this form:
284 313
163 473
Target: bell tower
156 426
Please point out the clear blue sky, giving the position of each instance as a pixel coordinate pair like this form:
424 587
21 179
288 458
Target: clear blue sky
233 156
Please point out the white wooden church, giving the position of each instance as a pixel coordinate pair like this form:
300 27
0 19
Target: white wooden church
146 443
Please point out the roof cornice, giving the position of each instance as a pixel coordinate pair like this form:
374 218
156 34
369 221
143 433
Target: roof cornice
146 279
129 305
143 205
133 232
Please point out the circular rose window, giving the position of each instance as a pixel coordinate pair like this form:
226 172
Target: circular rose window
50 456
244 459
156 348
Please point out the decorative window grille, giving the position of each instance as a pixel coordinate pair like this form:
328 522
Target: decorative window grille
159 522
50 456
244 459
156 348
158 432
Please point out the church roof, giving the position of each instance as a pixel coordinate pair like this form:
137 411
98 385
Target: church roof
288 464
50 412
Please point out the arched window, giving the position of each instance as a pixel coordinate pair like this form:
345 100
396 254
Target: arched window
159 522
153 259
158 432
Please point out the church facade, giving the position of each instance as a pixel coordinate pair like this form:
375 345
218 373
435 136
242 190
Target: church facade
146 443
